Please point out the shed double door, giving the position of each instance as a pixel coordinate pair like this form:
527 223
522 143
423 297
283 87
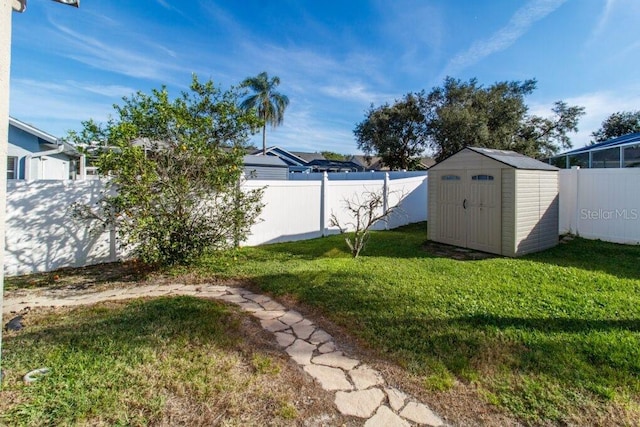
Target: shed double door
469 209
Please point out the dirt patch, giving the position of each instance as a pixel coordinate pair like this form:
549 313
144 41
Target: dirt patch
454 252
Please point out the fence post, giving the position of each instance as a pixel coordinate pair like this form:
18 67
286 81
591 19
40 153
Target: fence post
385 199
324 190
576 176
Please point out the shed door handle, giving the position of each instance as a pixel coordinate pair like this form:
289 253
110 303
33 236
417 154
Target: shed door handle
464 204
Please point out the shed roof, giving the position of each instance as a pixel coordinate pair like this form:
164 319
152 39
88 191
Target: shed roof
513 159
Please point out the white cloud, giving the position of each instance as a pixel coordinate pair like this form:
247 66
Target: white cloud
604 18
517 26
141 58
598 106
357 92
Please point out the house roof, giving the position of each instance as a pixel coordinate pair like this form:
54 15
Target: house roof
308 157
265 161
376 163
44 138
511 158
335 164
288 157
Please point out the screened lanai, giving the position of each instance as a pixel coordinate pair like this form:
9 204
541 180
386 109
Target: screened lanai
621 152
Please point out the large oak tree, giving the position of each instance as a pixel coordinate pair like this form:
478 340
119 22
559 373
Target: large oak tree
459 114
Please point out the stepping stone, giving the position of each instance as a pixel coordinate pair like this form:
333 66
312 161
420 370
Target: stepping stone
257 298
301 351
328 347
272 306
291 317
267 315
237 299
235 291
284 339
319 337
365 377
336 360
205 294
385 417
396 398
419 413
273 325
251 307
303 329
190 289
361 403
330 379
160 292
214 288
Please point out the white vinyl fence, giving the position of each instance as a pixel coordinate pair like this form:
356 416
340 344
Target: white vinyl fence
42 235
601 204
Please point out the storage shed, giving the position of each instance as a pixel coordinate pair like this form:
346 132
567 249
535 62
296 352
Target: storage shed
494 201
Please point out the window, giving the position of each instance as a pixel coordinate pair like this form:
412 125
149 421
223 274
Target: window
632 156
12 167
609 158
450 178
482 177
581 160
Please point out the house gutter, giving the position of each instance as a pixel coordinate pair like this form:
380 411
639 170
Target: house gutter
29 157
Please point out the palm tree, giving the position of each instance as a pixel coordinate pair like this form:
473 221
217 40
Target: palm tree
269 103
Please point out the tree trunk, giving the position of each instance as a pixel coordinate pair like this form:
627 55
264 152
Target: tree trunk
264 139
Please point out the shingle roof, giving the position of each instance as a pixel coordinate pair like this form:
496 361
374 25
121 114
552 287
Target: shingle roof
308 157
263 161
511 158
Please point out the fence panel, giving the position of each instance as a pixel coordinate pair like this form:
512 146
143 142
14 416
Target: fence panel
413 207
292 211
601 204
42 236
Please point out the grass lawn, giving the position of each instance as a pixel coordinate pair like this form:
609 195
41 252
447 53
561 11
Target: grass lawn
166 361
552 337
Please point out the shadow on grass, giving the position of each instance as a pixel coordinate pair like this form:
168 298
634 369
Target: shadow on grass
140 324
575 353
618 260
402 242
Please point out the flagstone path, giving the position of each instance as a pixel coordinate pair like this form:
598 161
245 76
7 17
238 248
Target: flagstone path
360 390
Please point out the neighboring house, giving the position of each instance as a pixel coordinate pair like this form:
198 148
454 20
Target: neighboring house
265 167
295 163
316 162
334 166
308 157
33 154
621 152
375 163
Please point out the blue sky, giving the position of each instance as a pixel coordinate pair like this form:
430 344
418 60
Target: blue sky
334 58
